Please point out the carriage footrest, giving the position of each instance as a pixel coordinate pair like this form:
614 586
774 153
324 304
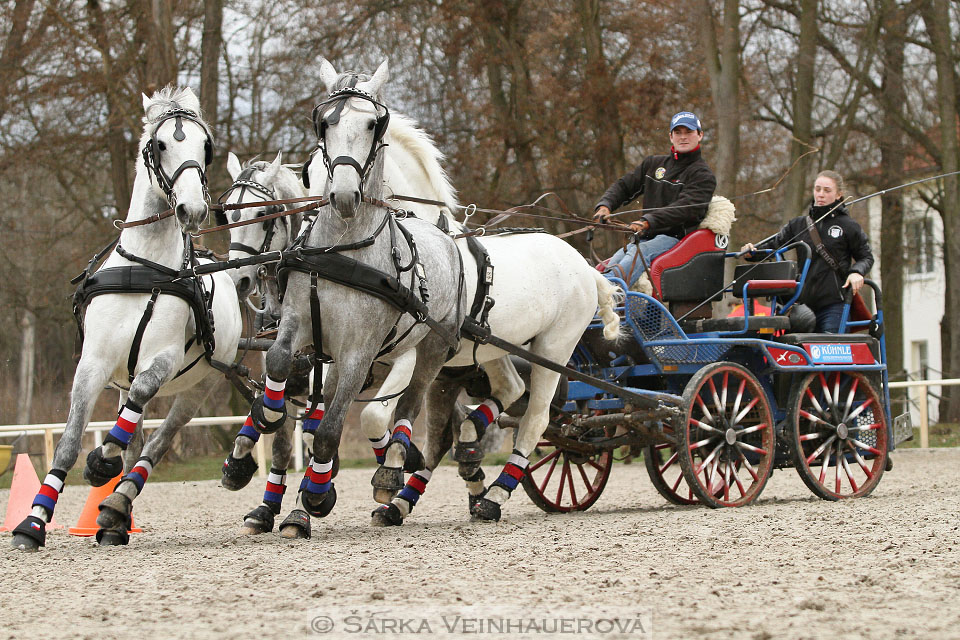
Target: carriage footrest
902 429
755 323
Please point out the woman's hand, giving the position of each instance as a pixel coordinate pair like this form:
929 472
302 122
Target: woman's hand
854 281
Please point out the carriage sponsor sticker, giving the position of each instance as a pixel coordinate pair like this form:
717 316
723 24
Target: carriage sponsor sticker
659 173
830 353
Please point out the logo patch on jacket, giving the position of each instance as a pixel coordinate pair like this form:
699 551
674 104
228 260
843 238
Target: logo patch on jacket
659 173
835 231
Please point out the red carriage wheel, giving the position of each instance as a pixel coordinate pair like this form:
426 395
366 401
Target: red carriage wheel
725 439
560 480
663 467
838 434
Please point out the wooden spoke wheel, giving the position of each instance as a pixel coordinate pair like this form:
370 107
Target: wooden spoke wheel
838 434
725 439
560 480
663 467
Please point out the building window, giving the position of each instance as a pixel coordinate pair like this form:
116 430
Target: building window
919 245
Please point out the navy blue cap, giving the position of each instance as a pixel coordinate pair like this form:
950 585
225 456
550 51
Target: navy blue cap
685 119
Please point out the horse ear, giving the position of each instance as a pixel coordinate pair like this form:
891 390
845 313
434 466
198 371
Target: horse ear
190 100
146 102
270 173
233 165
375 84
328 75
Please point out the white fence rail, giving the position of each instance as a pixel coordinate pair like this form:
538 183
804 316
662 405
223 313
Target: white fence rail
97 428
924 386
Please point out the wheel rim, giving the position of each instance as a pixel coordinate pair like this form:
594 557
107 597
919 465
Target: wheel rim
728 436
666 474
566 480
840 434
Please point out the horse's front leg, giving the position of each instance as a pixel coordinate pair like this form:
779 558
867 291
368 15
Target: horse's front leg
115 509
317 492
261 519
88 382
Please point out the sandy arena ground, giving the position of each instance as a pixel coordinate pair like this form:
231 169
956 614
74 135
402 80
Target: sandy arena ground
790 566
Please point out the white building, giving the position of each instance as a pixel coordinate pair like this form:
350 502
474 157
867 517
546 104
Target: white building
924 287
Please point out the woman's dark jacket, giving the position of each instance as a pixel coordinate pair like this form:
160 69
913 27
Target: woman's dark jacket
844 240
684 180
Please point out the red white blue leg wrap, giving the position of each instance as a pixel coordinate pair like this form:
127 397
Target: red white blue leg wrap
316 480
402 433
273 393
380 446
140 472
314 416
512 472
127 420
248 431
276 487
415 486
50 490
488 411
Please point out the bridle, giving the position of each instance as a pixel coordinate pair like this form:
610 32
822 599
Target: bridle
338 100
151 153
244 182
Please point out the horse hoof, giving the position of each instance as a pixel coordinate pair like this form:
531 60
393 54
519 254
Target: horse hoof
30 535
387 515
296 525
468 470
486 509
473 501
258 521
99 470
319 505
113 537
386 482
263 424
468 454
413 461
237 472
114 512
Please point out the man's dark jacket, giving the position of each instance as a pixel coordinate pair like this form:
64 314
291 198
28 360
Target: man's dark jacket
686 180
843 239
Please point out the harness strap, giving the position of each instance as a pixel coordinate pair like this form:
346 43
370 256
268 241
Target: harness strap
156 266
138 336
316 395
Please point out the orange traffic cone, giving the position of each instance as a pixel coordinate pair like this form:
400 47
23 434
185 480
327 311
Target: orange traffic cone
23 489
87 523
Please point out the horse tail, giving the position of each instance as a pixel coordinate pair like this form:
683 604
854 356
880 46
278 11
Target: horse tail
608 296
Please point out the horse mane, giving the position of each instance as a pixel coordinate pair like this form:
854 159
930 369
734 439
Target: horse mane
404 132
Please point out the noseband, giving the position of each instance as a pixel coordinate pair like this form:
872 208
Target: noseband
338 100
151 153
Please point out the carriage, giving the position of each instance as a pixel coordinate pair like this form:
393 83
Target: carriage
716 404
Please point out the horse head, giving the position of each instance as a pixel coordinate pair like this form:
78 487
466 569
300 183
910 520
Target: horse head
350 125
176 147
259 181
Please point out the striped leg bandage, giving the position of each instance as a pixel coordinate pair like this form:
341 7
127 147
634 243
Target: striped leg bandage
512 472
415 487
317 477
481 417
273 393
140 472
314 416
248 431
276 486
127 420
50 491
380 446
402 433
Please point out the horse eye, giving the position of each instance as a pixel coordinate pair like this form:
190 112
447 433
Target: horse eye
161 146
373 123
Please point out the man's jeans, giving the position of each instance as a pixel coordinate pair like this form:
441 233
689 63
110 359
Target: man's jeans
828 318
631 265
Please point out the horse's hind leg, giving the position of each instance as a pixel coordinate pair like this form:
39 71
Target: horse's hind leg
88 382
375 423
506 386
261 519
115 509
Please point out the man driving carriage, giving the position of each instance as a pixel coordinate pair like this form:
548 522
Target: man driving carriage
676 190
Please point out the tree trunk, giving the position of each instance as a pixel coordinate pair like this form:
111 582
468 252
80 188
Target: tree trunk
117 144
155 31
723 64
599 95
796 182
210 59
936 16
892 150
27 367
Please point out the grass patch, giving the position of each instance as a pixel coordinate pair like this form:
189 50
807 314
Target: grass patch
946 434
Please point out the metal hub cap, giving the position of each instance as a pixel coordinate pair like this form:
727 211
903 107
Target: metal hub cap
731 436
842 431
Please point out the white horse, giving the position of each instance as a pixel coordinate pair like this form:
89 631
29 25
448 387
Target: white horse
146 343
546 294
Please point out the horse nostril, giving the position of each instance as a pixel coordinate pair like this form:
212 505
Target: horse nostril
356 198
181 210
243 284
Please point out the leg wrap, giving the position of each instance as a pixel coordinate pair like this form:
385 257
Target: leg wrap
317 478
273 393
380 446
485 414
314 416
512 472
402 433
50 491
415 487
247 430
276 486
140 472
127 420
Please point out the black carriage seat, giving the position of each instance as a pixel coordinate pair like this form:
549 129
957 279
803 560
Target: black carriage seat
692 270
800 339
763 280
